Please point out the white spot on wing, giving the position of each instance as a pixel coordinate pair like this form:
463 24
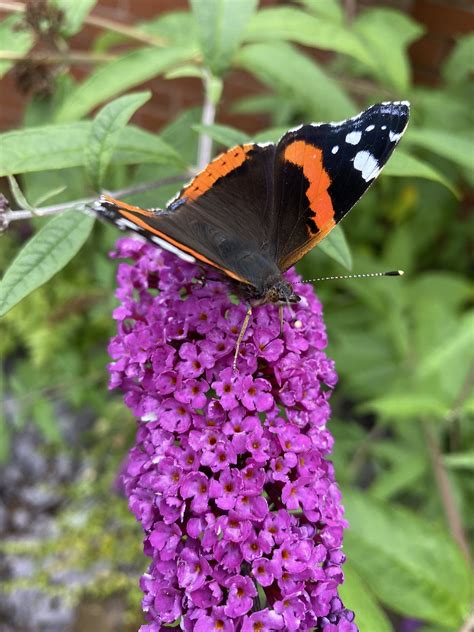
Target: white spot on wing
164 244
126 223
394 137
353 137
383 127
369 128
366 163
335 149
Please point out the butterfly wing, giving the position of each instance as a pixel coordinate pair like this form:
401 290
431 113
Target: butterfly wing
321 171
219 218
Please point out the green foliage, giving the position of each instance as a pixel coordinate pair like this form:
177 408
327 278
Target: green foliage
221 27
13 40
409 563
401 345
127 71
43 256
105 132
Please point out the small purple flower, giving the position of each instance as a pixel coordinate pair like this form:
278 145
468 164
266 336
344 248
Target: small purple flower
195 486
241 593
229 476
263 621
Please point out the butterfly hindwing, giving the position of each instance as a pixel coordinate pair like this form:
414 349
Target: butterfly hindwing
321 171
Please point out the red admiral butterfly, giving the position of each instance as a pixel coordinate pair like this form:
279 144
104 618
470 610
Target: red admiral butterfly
256 209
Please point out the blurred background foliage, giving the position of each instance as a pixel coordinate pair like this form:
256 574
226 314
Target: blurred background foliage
404 449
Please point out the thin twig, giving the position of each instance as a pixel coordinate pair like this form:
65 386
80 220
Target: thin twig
95 20
12 216
208 118
71 57
451 511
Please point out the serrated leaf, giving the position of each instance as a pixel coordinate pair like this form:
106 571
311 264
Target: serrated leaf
43 256
335 246
119 75
223 134
453 146
356 596
285 69
295 25
105 132
221 26
386 35
62 146
13 40
404 165
411 565
74 14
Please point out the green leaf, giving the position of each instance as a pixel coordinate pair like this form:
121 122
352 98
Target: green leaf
386 35
411 565
13 40
118 76
292 24
43 256
356 596
407 406
292 74
460 460
405 165
453 146
18 196
329 9
335 246
74 14
223 134
452 347
62 146
221 27
460 64
105 132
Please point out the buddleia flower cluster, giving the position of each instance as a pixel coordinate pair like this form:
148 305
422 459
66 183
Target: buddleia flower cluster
229 475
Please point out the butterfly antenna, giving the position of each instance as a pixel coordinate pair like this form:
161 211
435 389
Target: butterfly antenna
357 276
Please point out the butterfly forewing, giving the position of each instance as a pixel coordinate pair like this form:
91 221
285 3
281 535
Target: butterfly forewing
321 171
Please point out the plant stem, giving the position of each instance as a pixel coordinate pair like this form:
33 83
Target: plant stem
468 626
11 216
451 511
208 118
94 20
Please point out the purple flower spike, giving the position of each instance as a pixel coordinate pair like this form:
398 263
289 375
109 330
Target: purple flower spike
229 475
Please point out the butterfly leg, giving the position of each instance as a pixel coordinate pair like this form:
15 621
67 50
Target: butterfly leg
243 329
280 315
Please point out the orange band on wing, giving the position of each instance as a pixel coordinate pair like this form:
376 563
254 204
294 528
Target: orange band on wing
310 159
130 215
219 167
129 207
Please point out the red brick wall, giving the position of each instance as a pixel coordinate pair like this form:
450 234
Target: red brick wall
443 19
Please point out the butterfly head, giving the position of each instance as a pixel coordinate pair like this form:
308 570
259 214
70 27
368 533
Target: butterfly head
280 292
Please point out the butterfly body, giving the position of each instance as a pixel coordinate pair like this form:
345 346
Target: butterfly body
256 209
